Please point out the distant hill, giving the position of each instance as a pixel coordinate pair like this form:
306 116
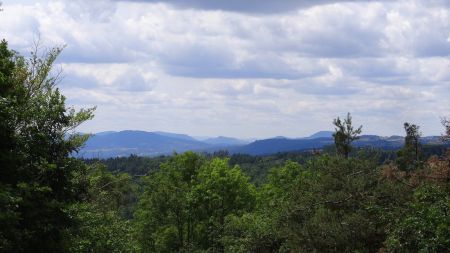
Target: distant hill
105 133
225 141
276 145
321 134
176 136
124 143
141 143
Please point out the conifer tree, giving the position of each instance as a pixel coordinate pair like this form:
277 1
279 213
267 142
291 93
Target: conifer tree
409 156
344 135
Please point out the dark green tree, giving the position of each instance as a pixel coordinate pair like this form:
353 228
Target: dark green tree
165 216
344 135
446 124
425 226
409 157
101 219
219 192
185 205
36 140
266 228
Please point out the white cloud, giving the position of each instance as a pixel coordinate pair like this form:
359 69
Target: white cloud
223 68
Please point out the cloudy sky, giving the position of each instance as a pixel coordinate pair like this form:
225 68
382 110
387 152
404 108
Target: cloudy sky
245 68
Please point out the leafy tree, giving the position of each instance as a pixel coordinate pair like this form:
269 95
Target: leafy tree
425 227
332 211
134 165
409 157
252 232
265 229
185 205
36 140
165 217
344 135
101 218
329 204
220 191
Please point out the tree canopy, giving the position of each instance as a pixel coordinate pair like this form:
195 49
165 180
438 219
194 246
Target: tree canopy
344 135
36 140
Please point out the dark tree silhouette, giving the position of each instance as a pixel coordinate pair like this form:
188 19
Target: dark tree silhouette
344 135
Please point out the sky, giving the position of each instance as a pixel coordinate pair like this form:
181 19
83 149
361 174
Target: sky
247 69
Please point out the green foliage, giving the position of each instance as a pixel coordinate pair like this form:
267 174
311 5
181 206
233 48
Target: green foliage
331 212
102 218
185 205
344 135
133 164
251 232
409 157
164 206
258 167
111 191
99 230
36 140
325 204
264 229
329 204
219 192
425 226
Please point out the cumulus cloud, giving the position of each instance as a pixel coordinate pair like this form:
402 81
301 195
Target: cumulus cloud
245 68
116 77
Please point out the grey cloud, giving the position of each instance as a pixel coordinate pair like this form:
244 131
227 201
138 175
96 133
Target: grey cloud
246 69
195 59
248 6
390 59
230 90
438 3
431 46
72 80
102 45
100 54
376 70
328 32
214 62
107 77
315 88
133 81
347 39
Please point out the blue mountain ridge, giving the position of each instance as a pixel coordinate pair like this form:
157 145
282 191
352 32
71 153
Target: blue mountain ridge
124 143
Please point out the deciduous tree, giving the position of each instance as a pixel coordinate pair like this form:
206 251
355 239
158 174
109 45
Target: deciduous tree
36 140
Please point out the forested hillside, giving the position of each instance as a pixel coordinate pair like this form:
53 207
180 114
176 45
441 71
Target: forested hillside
124 143
341 199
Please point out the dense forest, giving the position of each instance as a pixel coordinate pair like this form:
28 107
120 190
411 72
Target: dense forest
338 199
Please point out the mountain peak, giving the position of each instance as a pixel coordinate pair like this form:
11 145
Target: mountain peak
174 135
321 134
223 140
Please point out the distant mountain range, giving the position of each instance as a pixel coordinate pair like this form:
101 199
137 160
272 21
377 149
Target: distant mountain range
124 143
